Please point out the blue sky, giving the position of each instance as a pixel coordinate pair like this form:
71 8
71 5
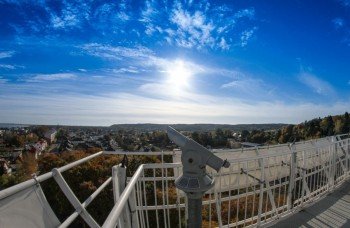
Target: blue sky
103 62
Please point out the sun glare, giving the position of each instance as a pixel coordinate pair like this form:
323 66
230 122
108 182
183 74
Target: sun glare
178 76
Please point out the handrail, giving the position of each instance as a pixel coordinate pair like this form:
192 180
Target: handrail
14 189
26 184
113 216
120 152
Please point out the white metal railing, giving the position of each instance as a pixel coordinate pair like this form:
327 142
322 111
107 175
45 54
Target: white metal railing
253 191
262 185
80 208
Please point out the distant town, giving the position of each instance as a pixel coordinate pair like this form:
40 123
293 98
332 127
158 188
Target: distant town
19 142
24 147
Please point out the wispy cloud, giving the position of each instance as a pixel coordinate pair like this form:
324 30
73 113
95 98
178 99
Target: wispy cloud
51 77
180 23
193 29
67 20
338 22
116 52
345 3
7 66
6 54
249 13
223 44
3 80
246 36
250 88
197 26
130 69
318 85
148 12
243 84
135 108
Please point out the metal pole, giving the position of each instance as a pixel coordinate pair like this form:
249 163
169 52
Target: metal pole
194 213
293 165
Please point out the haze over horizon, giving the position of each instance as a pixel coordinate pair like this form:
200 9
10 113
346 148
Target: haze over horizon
109 62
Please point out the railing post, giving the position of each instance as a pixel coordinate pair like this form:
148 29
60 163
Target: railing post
261 195
134 218
332 150
347 156
119 182
293 160
304 183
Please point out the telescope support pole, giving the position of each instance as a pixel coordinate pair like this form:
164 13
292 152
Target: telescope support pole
194 213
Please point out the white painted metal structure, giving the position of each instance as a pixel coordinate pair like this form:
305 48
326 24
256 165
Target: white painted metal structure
262 185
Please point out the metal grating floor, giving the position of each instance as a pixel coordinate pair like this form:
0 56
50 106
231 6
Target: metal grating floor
331 211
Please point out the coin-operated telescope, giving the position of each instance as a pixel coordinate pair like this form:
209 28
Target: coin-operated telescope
195 180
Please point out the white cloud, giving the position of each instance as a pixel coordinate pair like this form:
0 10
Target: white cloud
148 12
243 84
68 19
250 88
3 80
71 15
137 108
116 52
316 84
51 77
246 36
7 66
143 59
193 29
338 22
223 44
123 13
6 54
249 13
130 69
194 26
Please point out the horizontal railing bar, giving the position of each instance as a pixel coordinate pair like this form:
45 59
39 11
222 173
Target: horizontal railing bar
19 187
138 153
161 165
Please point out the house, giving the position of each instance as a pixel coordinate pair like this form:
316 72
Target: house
50 135
37 148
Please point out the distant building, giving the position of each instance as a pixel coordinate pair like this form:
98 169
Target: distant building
50 136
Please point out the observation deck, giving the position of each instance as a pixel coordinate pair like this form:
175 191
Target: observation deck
264 186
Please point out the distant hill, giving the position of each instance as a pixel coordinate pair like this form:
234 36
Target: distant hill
11 125
196 127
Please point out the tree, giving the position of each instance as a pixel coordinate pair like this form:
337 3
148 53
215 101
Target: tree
40 131
346 123
339 126
244 135
327 126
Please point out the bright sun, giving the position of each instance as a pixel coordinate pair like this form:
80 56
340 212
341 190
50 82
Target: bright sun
178 76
